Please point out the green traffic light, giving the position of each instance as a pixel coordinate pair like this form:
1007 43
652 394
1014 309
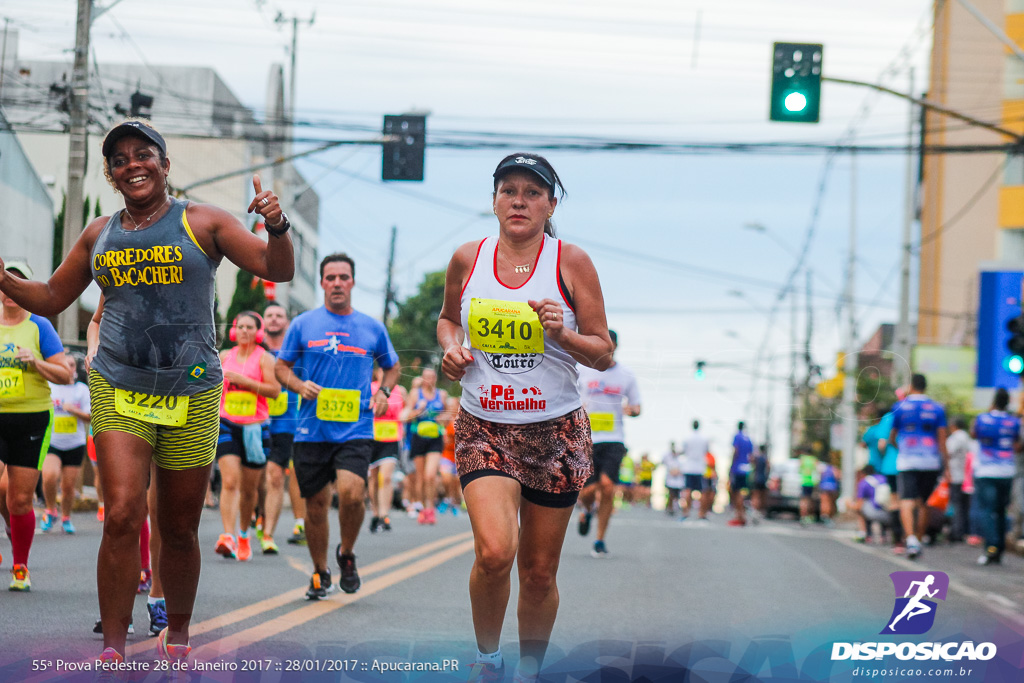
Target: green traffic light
795 102
1014 364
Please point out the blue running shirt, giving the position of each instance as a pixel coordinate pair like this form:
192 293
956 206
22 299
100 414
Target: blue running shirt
741 459
917 420
336 352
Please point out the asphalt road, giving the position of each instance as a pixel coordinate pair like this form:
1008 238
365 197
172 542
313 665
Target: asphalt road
672 596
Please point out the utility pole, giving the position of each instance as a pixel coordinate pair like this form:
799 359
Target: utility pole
389 293
848 412
293 54
77 156
792 368
902 345
3 57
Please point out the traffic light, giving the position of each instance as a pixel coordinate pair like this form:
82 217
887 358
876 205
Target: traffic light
403 159
796 82
698 372
1015 345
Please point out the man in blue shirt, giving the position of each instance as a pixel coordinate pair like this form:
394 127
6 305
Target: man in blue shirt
327 358
919 432
741 450
998 433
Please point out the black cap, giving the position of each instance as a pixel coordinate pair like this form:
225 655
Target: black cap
136 128
526 162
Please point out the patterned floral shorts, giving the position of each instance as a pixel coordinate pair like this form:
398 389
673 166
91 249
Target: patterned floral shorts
551 457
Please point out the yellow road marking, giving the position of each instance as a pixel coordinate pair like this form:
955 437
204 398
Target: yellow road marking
270 604
307 611
313 610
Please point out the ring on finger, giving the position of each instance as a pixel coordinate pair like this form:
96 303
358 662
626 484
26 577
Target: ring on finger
264 201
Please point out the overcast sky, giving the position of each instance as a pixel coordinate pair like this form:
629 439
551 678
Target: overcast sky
683 279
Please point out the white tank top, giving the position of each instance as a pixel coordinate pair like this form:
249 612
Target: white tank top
517 388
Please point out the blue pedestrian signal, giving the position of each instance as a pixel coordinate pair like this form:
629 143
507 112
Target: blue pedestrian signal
1014 364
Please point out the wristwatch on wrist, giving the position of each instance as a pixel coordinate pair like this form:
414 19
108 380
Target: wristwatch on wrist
281 229
385 390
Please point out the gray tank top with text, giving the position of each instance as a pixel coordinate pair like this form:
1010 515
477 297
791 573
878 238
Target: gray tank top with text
157 331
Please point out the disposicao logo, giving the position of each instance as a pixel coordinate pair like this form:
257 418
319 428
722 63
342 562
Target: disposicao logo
916 592
913 614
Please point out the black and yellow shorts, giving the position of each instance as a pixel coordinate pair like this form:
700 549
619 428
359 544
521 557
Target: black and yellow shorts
193 444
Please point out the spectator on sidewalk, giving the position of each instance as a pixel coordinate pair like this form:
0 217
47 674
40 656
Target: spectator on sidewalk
958 445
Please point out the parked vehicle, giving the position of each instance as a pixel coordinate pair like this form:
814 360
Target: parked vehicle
785 486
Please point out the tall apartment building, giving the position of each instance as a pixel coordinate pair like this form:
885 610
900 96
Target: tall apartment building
972 204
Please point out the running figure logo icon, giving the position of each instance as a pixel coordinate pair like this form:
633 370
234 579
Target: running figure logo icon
916 592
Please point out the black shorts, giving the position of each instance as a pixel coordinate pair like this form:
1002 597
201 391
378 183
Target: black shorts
693 482
25 438
316 463
232 442
421 446
280 452
608 457
565 499
917 484
737 481
383 450
71 457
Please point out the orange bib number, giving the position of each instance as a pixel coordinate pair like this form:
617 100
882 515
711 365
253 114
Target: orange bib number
170 411
338 405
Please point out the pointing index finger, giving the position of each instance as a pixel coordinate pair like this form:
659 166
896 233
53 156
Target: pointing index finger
256 184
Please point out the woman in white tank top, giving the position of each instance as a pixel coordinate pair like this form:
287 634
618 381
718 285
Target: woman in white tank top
530 308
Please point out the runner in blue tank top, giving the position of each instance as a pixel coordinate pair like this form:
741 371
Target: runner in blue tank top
155 395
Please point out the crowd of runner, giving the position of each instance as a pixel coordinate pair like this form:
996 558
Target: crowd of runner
312 406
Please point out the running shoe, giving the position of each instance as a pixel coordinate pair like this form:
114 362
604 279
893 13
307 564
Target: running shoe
244 549
482 672
67 526
421 518
157 616
442 507
320 585
98 627
431 516
913 548
974 540
173 653
49 520
107 666
990 557
99 513
19 579
520 677
349 579
736 522
268 546
374 525
385 523
600 550
584 526
145 581
298 536
226 546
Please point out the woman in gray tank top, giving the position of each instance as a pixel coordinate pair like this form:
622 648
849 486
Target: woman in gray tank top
156 365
